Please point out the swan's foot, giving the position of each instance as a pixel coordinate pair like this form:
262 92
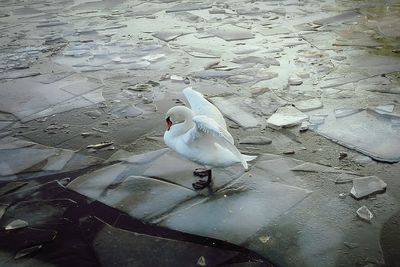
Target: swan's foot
201 172
200 184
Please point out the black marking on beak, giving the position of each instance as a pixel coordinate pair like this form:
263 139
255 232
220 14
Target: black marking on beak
169 123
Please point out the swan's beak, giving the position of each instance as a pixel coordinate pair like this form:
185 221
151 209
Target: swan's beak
169 123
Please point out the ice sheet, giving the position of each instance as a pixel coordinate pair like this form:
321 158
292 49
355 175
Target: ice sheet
367 132
30 100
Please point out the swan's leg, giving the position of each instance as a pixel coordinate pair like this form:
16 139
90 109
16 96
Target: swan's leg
200 184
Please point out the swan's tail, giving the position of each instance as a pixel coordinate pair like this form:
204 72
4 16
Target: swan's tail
246 158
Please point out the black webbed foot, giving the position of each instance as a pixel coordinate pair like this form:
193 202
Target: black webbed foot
200 184
201 172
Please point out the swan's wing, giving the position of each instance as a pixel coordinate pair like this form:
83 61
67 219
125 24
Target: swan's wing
206 125
201 106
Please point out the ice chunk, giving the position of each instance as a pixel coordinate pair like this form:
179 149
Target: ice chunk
344 178
170 35
285 117
365 214
16 224
343 112
26 251
255 140
307 105
317 119
314 167
187 7
229 32
202 53
365 186
293 81
386 108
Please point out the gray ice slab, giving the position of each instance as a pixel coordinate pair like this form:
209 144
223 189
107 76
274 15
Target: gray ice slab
19 155
30 100
389 26
145 198
367 132
268 103
117 247
230 32
17 160
85 100
94 184
58 161
13 143
247 60
361 66
4 124
230 108
126 111
286 117
235 213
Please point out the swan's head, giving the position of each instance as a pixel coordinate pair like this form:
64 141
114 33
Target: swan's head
176 115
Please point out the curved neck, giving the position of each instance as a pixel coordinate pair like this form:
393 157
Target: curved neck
183 127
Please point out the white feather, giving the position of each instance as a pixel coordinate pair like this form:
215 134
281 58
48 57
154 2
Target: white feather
202 137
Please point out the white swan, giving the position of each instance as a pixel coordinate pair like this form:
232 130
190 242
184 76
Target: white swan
200 135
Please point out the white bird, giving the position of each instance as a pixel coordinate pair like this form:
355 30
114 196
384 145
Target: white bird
200 135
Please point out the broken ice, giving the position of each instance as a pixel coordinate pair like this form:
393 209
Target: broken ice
365 186
365 214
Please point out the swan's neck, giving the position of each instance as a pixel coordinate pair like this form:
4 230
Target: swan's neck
183 127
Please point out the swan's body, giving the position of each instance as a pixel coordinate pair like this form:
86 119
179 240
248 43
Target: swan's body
200 135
